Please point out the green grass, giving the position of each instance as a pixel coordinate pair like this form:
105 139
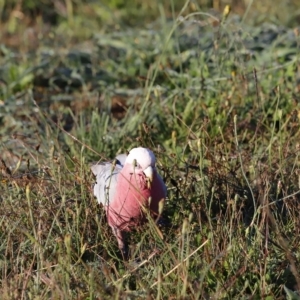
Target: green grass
216 100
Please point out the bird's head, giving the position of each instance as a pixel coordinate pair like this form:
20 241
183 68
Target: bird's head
142 159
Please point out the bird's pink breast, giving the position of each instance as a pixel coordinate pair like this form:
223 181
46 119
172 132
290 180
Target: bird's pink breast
131 194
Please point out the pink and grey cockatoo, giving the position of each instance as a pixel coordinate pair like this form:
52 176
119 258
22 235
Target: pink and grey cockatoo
126 187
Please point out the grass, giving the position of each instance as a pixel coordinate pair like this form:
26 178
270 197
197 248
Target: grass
216 99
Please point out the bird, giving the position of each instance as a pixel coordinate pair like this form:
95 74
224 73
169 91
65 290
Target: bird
127 188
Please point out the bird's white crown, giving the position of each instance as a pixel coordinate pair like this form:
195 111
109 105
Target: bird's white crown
143 156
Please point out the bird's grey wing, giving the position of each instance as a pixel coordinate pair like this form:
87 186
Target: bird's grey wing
121 159
163 185
106 181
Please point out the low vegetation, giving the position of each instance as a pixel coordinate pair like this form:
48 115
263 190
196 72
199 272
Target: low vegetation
215 97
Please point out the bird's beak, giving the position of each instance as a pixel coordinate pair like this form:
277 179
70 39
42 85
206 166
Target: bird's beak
149 174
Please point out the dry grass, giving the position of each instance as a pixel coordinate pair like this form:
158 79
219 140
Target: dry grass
215 99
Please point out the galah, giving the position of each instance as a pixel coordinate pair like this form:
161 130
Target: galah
127 188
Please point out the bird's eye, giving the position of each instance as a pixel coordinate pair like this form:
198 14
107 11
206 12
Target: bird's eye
135 163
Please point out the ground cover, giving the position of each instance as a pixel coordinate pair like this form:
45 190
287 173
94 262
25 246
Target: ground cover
215 97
